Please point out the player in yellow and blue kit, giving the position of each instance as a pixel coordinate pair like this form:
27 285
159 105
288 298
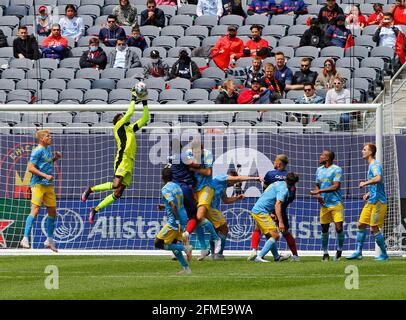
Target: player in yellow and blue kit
124 133
328 183
170 237
374 211
41 166
271 201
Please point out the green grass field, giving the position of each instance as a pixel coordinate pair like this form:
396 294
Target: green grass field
149 278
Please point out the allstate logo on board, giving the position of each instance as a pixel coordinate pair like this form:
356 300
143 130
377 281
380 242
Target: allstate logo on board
240 224
68 225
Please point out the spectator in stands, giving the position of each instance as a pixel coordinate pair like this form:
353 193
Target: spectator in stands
254 71
337 35
123 57
282 73
152 16
209 8
252 95
386 34
338 95
262 7
156 68
227 49
292 7
44 22
309 95
355 20
55 46
377 16
136 39
233 7
113 31
305 75
329 12
71 25
256 46
325 78
185 68
314 36
3 39
95 57
126 14
228 93
25 46
269 82
398 11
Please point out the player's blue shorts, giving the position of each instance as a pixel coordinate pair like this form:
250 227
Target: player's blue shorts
189 201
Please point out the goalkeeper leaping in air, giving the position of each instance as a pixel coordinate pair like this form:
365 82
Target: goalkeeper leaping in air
124 132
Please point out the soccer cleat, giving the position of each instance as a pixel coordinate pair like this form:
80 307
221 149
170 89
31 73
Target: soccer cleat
50 244
356 255
86 194
295 259
326 257
184 271
338 255
217 246
188 250
24 243
203 254
382 257
92 215
282 257
259 259
253 255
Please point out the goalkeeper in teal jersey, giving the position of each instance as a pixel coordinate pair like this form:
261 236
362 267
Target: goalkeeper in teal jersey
170 236
124 133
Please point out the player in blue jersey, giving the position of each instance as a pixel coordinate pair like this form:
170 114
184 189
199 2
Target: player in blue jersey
278 174
328 192
170 236
374 211
271 201
220 184
41 166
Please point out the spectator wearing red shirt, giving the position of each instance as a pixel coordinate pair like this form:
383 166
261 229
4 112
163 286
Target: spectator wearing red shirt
228 48
399 12
355 20
256 46
377 16
55 46
251 96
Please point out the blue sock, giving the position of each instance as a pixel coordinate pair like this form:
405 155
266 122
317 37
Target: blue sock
200 236
340 238
361 235
174 246
223 242
269 245
28 225
324 242
178 254
381 242
50 223
207 224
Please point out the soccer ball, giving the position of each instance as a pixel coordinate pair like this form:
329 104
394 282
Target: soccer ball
141 90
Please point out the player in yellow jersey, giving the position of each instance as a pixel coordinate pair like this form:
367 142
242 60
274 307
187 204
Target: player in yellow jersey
124 133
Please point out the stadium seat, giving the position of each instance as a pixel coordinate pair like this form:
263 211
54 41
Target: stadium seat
225 118
198 31
179 83
276 117
365 41
289 52
78 51
9 21
15 10
23 96
291 128
257 19
25 64
55 84
210 41
7 85
46 63
204 83
127 83
119 94
369 74
105 84
170 94
348 62
307 51
88 73
214 73
168 117
63 73
86 117
166 42
161 50
282 20
11 118
188 41
72 63
77 128
6 52
28 118
356 51
112 73
71 95
107 9
193 95
38 74
360 84
95 94
345 73
231 19
181 20
213 94
297 30
168 10
243 62
24 130
155 83
173 31
29 84
332 52
369 30
289 41
137 73
314 9
201 62
187 9
47 95
251 116
12 73
150 31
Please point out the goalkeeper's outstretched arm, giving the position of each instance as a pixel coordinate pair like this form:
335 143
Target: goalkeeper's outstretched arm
145 115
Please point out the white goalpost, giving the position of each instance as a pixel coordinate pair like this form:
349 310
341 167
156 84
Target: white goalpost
247 137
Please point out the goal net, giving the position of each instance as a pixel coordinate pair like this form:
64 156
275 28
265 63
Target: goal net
245 140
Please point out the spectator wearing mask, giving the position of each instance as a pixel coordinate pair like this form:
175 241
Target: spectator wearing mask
55 46
44 22
314 36
126 14
113 31
233 7
337 35
152 16
305 75
292 7
227 49
228 93
325 78
136 39
71 25
185 68
355 20
256 46
269 82
123 57
282 73
209 8
95 57
377 16
329 12
156 68
25 46
262 7
398 11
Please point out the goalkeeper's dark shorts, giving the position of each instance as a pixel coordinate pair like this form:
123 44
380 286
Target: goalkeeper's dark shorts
188 199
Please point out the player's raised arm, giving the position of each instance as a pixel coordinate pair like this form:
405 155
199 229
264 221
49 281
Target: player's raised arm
127 116
140 92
